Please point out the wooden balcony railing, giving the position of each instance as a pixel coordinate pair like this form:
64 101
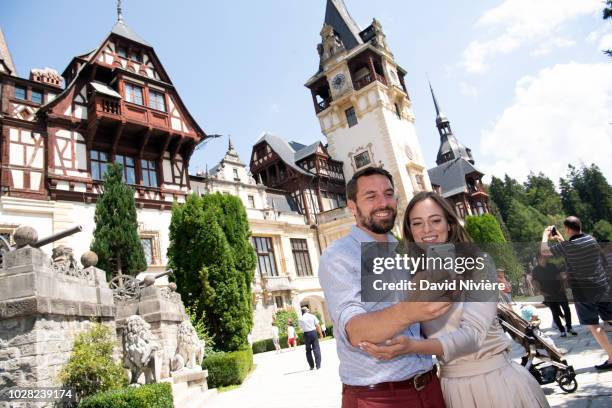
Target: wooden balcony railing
108 106
369 78
324 104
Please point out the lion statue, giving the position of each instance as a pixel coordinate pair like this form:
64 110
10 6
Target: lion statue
140 351
190 350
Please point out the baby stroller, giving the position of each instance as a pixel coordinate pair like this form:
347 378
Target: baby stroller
542 360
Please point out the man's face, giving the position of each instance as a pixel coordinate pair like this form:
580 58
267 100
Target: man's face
375 207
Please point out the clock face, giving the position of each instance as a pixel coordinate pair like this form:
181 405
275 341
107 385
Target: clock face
338 81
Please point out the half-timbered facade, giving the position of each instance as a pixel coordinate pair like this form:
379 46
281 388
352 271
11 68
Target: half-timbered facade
59 134
314 180
287 248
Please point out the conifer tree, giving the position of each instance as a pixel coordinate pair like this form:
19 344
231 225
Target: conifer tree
115 238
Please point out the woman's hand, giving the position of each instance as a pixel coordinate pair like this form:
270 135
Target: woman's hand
392 348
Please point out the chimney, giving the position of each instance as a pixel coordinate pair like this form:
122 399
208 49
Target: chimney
47 76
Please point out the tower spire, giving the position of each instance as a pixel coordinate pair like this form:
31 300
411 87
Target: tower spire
435 101
119 15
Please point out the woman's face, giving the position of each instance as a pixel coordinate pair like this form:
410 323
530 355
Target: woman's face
428 223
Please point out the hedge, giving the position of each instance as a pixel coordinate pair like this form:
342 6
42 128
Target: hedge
228 368
146 396
261 346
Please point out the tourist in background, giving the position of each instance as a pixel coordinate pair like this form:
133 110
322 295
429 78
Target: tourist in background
291 336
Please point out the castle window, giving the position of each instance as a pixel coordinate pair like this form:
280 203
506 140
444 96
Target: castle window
99 163
351 117
362 159
398 112
37 97
251 201
147 246
266 262
157 101
236 177
129 171
20 93
299 247
149 173
133 93
420 180
122 52
136 56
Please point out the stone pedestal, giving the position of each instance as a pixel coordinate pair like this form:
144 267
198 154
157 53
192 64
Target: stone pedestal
42 309
190 387
163 310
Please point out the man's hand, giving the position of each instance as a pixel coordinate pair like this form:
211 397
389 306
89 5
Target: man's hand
424 311
392 348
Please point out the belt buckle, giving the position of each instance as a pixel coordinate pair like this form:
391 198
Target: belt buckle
416 382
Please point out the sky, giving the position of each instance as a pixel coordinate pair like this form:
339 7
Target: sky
523 82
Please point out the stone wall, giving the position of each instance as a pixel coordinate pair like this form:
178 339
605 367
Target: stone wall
42 308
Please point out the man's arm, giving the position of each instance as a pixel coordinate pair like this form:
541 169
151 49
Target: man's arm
378 326
341 284
544 247
319 330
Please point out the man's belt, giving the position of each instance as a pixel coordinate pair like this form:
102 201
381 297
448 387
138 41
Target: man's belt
418 382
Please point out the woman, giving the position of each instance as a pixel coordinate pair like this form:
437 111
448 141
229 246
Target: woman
468 341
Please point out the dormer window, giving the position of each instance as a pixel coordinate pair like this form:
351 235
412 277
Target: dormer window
135 55
122 52
236 176
133 94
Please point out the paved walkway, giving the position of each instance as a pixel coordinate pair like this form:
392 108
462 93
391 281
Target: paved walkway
284 380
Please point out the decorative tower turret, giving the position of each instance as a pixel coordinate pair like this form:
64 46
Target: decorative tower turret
362 104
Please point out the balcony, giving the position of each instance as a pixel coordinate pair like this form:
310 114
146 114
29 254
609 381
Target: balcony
340 213
101 106
324 104
368 79
277 283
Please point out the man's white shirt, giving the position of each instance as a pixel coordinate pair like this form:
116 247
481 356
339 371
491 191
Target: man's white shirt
308 322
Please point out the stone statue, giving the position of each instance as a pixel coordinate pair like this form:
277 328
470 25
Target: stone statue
190 350
140 351
64 261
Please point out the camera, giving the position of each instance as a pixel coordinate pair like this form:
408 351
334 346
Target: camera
553 231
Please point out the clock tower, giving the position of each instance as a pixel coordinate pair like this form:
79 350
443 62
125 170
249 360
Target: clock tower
362 104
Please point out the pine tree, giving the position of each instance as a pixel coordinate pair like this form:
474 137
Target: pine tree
586 194
187 253
115 238
213 263
541 194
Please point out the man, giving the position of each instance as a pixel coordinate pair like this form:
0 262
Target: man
310 326
587 278
548 278
406 380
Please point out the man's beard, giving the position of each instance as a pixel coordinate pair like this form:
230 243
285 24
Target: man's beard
377 226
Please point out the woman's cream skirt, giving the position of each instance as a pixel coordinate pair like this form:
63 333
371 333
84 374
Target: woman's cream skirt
496 382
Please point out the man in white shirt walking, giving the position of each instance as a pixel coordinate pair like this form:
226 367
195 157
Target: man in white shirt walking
310 326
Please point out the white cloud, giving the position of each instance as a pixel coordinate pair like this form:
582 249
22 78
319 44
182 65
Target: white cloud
561 115
546 47
522 22
605 42
467 89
